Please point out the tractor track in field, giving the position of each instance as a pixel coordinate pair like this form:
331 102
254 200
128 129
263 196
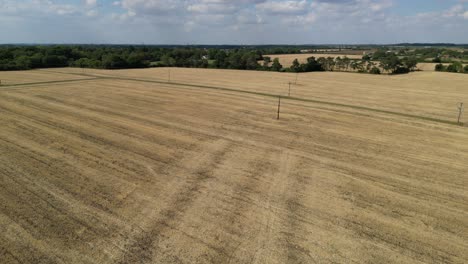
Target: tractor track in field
47 82
142 249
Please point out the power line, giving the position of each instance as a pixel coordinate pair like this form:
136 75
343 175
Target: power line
279 106
460 111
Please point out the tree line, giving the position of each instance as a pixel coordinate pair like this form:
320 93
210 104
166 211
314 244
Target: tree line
455 67
390 63
241 58
122 57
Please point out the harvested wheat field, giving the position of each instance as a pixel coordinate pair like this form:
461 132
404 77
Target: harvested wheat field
424 94
35 77
287 59
123 167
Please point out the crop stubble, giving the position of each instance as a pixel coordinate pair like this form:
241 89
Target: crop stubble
124 171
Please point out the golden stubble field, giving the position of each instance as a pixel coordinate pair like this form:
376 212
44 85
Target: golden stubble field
128 169
427 94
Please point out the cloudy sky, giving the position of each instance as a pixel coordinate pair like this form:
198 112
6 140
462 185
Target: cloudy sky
233 22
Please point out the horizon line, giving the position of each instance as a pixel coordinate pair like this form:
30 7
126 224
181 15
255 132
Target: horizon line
269 44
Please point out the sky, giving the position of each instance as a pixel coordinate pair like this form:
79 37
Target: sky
240 22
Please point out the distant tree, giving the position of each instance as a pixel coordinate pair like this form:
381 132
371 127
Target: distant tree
339 65
465 69
391 63
374 70
167 60
403 52
328 63
266 62
23 62
455 67
276 66
8 65
451 68
458 65
346 62
437 60
323 62
250 61
440 67
331 63
235 61
220 59
360 67
113 62
370 65
378 55
366 57
311 65
6 54
54 61
36 60
296 66
410 62
401 70
136 60
87 63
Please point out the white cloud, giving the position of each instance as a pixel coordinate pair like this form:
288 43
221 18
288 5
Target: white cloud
235 21
153 7
92 13
37 8
456 10
90 3
284 7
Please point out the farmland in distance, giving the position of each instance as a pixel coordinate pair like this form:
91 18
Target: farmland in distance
287 59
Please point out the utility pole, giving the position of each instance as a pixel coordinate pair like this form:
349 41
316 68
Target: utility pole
279 106
289 92
460 111
169 75
297 74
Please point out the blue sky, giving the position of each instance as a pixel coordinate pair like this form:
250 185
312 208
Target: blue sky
233 22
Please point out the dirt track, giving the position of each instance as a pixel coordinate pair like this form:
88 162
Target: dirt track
120 171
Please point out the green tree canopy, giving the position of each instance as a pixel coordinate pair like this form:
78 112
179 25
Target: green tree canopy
440 67
296 66
276 66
